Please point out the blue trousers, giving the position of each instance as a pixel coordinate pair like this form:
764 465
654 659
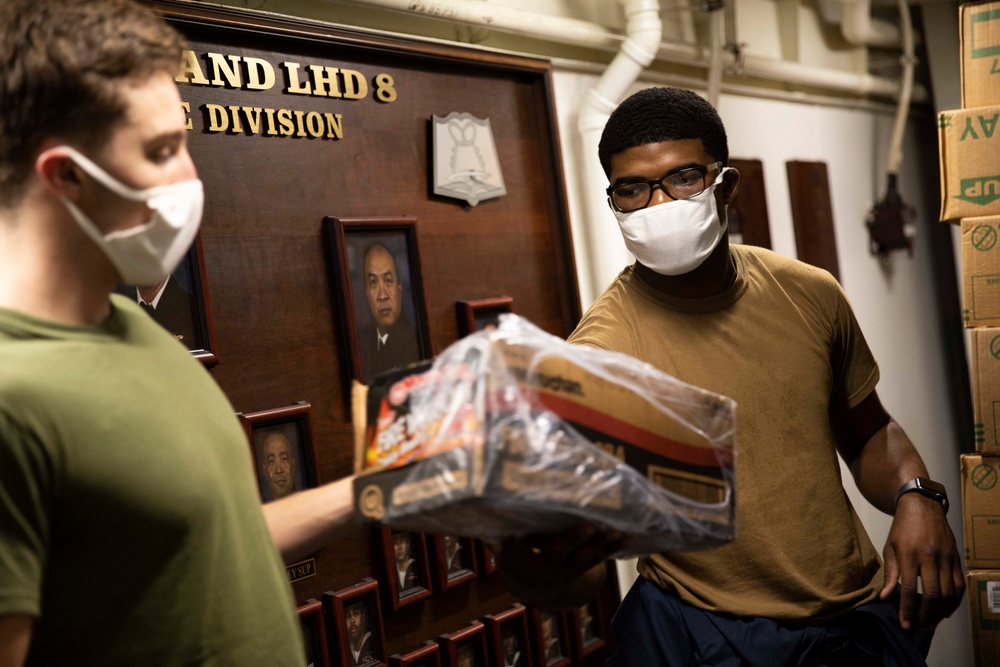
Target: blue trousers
654 628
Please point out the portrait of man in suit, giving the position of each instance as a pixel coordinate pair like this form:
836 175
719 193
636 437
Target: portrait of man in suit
511 647
394 342
453 554
359 636
551 645
279 461
406 565
466 656
172 303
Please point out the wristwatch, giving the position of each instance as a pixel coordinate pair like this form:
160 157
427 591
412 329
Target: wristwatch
925 487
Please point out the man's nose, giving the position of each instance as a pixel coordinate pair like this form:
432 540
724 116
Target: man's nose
659 195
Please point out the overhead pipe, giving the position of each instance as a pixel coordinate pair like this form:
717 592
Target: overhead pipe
716 49
607 253
587 34
860 29
909 62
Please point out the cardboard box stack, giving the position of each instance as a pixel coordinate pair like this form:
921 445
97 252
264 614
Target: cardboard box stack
969 143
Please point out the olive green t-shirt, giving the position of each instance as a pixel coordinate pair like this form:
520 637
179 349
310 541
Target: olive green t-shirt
130 522
783 342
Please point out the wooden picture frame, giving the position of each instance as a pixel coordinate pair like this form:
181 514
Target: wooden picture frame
550 638
465 647
478 314
283 450
314 633
586 629
508 638
403 548
182 305
486 561
388 302
454 561
355 618
748 220
428 655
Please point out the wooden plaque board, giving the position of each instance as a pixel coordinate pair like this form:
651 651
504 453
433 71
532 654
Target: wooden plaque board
276 162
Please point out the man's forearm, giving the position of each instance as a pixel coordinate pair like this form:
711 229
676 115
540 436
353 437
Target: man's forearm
303 523
886 462
15 638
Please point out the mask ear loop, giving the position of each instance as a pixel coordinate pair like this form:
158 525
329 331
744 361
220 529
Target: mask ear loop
105 179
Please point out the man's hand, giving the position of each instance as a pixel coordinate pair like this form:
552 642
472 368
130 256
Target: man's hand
922 545
558 571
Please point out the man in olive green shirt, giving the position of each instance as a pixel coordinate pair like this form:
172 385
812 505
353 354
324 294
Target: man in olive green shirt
131 530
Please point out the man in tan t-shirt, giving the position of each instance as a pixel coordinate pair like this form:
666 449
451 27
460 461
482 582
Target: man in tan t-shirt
801 583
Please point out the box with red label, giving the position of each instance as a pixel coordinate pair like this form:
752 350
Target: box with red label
514 431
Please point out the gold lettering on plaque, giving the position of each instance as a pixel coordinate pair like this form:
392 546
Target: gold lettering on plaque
221 67
191 70
293 80
301 570
260 73
325 80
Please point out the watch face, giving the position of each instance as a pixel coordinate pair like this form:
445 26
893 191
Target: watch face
931 485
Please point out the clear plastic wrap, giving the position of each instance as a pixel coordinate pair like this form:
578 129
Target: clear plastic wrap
512 431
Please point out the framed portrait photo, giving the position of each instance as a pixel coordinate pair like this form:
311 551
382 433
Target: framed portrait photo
428 655
355 619
480 314
407 573
284 453
508 638
465 647
550 638
181 305
314 634
586 628
454 559
376 276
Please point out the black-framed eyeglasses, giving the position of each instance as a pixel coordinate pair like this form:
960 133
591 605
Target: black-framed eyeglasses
682 183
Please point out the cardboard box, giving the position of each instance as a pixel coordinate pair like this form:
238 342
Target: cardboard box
983 589
981 271
969 146
980 36
501 437
985 342
981 510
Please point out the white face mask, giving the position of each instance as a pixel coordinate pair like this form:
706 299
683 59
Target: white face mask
675 237
146 254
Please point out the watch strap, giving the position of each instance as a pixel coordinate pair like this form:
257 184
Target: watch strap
927 488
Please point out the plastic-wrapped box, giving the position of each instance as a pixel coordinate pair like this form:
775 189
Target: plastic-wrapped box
512 431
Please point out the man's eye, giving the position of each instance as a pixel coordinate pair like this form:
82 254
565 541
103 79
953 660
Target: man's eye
686 178
631 190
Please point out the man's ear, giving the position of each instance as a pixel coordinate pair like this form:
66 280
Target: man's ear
58 173
730 185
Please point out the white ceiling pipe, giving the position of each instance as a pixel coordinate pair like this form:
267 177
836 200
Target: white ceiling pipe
506 19
607 253
716 47
583 33
861 29
903 107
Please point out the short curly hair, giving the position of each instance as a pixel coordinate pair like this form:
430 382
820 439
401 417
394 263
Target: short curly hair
63 67
653 115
